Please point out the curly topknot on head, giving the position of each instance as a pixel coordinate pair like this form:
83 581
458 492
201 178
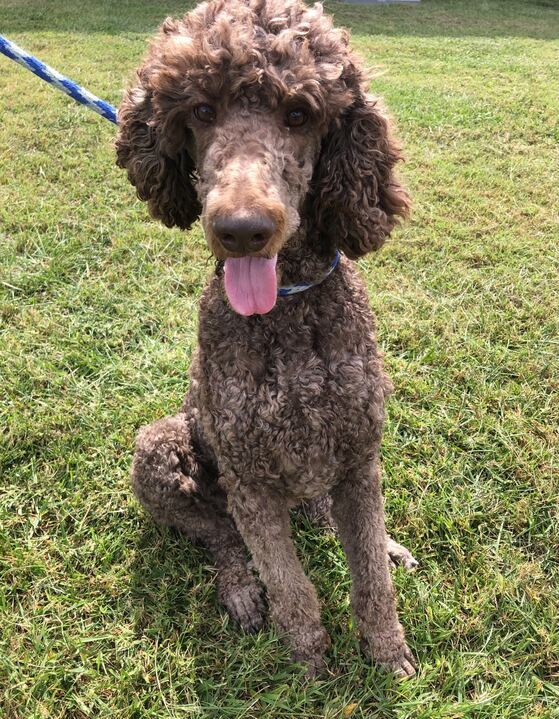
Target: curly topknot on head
257 58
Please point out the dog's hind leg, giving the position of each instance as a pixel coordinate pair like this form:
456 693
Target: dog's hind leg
179 489
319 512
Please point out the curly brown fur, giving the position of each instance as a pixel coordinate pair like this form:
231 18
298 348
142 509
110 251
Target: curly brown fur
286 403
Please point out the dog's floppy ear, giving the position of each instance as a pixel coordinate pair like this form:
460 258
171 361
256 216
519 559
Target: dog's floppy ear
152 146
356 197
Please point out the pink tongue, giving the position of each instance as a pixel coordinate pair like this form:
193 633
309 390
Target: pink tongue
251 284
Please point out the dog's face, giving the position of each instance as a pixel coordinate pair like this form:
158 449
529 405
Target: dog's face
254 166
253 115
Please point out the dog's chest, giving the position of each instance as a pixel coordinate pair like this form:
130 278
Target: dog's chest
290 404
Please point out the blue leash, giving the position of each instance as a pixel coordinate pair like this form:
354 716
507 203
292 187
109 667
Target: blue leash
48 74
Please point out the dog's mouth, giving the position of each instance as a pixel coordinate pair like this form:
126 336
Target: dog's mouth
251 284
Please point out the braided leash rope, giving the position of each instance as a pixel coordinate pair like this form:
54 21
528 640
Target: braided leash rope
48 74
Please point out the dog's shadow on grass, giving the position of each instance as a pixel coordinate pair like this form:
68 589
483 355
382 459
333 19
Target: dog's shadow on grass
172 583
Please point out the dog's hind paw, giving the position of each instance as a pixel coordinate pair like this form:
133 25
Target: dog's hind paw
245 604
398 555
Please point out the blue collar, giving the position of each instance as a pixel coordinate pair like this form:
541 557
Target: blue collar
302 286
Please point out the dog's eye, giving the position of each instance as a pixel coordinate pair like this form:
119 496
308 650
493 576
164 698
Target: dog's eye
204 113
296 117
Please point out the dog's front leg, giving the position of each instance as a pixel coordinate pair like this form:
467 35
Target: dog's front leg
358 510
262 517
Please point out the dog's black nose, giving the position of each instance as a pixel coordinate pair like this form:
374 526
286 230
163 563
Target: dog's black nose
244 233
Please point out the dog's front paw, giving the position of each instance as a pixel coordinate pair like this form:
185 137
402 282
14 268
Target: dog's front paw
392 653
401 663
314 665
310 649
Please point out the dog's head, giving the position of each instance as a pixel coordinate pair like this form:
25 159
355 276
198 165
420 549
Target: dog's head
255 115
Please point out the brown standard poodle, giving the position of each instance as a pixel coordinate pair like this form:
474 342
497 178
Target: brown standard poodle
254 115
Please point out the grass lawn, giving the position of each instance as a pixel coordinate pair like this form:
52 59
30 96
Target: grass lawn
104 615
